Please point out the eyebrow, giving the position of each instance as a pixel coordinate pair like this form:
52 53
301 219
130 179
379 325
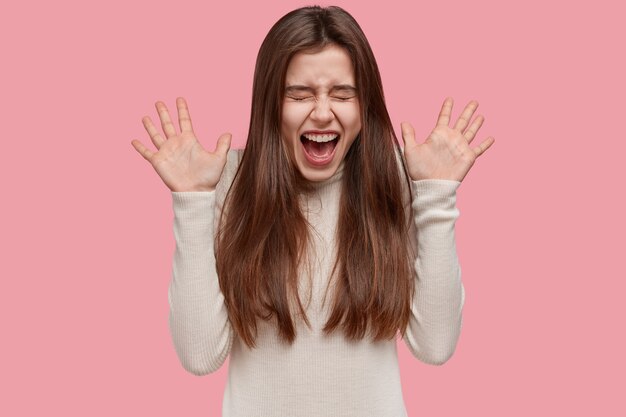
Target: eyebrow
338 87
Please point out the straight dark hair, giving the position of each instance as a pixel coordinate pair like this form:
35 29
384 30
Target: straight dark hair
263 236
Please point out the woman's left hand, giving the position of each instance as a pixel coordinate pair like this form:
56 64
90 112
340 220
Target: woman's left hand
446 153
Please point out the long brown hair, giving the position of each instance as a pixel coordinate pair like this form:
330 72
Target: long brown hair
263 237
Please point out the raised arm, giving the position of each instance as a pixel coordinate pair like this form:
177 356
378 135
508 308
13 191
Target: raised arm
436 312
436 167
198 318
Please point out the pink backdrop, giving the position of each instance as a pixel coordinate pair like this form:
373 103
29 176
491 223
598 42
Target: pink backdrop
87 224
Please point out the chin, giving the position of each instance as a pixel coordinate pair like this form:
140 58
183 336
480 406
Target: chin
317 175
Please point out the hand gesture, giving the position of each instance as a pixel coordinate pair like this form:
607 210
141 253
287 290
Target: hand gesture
180 160
446 153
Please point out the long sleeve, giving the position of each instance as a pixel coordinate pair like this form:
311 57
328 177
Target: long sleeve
436 312
198 319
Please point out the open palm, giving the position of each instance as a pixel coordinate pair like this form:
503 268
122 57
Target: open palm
446 153
181 162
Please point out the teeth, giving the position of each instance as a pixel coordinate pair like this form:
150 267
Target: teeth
320 138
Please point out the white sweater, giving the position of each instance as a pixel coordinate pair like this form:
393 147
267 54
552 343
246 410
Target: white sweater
317 376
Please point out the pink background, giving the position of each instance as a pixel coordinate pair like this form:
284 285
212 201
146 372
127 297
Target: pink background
87 224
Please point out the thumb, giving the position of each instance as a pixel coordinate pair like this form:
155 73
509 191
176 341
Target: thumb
223 144
408 134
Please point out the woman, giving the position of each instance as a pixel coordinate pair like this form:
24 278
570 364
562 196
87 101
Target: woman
317 263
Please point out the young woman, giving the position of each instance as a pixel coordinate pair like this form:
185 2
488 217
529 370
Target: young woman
303 255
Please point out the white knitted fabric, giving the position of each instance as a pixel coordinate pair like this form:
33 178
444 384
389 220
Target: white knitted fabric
318 376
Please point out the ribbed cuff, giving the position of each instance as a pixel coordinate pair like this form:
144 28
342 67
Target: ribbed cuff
435 192
436 186
189 199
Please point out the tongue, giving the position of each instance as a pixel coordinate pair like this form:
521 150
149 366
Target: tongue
319 150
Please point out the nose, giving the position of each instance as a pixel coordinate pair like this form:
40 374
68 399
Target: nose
322 111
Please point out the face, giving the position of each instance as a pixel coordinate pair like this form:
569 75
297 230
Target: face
321 114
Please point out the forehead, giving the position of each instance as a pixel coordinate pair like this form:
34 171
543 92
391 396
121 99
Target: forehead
321 68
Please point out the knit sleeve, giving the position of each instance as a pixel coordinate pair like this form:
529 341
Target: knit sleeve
436 311
198 319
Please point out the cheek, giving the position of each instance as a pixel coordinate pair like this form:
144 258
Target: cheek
292 119
350 118
352 122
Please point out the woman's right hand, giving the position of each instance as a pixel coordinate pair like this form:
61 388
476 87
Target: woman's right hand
180 160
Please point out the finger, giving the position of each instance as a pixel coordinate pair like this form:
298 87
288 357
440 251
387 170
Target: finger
145 152
408 134
471 132
166 122
184 120
480 149
466 116
444 114
155 136
223 144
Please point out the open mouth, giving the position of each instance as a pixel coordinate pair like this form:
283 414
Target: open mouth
319 150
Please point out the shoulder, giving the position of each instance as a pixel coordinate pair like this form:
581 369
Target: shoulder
399 155
400 160
407 189
233 158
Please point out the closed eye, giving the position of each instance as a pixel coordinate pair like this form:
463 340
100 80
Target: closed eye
299 98
305 98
